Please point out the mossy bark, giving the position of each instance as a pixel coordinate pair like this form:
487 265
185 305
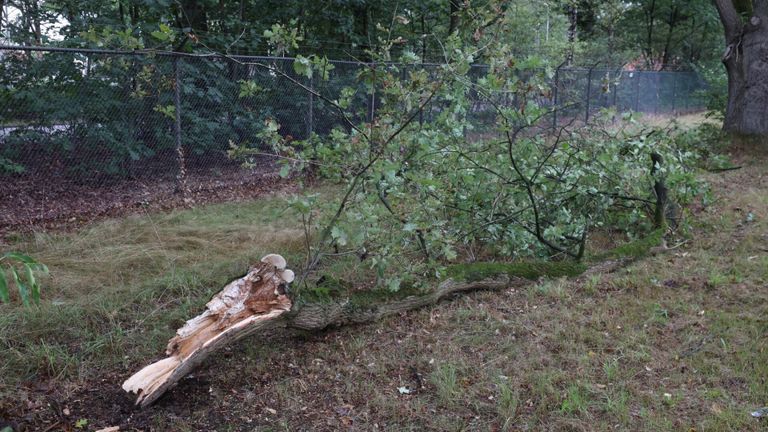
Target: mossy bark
343 306
367 306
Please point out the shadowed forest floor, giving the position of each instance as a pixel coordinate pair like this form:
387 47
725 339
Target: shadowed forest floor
676 341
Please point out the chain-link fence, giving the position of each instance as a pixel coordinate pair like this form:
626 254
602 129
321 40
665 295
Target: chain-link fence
162 121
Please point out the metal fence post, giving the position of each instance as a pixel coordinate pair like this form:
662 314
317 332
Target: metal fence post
554 100
637 91
674 94
311 113
589 91
181 175
372 102
657 87
421 108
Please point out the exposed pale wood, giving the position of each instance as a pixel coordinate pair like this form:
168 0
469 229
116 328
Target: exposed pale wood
246 305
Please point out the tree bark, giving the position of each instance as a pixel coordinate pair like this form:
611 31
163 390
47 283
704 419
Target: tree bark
673 21
193 14
2 15
746 63
453 22
650 18
573 21
218 327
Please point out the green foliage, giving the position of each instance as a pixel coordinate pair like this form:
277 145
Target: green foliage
283 39
678 32
636 248
124 107
576 400
305 66
709 142
419 195
743 7
224 101
249 88
9 166
164 33
21 269
716 93
653 34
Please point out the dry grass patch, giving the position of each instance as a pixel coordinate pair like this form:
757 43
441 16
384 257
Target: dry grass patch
117 287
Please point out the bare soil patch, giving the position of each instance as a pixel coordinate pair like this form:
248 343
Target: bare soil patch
34 203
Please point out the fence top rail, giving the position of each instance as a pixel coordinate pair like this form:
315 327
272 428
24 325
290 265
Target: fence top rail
245 58
143 52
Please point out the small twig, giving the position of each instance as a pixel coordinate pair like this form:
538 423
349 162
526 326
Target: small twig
678 245
51 427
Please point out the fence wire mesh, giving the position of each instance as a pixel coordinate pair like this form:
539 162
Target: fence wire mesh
116 122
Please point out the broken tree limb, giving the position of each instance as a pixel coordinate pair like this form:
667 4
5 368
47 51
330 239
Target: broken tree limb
206 333
244 306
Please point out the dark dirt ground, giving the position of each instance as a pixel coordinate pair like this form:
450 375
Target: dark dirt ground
29 203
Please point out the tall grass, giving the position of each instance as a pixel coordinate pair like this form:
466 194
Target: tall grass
119 288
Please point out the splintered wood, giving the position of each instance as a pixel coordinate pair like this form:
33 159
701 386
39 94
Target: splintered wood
244 306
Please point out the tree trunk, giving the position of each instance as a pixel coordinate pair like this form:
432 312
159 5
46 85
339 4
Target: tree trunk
361 29
746 62
573 20
673 21
2 15
121 12
649 18
453 22
230 316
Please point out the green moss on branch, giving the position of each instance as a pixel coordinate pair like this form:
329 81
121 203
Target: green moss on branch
634 249
331 290
533 270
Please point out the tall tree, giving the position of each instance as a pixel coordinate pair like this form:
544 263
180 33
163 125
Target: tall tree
746 62
455 7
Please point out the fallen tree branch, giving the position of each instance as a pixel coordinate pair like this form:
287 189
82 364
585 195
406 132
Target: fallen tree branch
258 302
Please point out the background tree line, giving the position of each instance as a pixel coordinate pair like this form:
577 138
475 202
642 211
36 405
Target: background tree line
652 33
130 98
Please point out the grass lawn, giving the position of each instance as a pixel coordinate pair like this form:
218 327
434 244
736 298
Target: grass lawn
676 341
117 287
